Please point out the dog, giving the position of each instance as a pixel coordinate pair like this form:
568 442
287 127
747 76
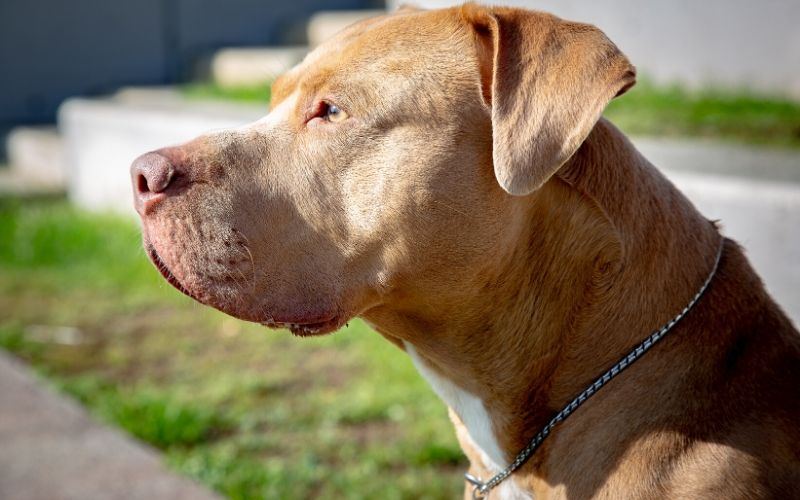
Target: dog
447 176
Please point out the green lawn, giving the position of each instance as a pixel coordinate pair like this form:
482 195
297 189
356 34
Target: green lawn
209 91
250 412
648 109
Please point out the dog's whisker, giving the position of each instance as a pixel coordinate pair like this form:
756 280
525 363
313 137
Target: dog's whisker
252 267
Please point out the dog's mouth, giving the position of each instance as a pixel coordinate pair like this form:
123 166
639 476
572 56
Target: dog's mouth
299 327
165 272
307 329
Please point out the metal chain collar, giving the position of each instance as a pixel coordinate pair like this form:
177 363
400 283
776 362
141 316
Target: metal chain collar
481 489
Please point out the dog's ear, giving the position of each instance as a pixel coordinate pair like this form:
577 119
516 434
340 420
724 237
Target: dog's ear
547 82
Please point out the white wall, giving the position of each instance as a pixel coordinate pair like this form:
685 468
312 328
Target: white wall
732 43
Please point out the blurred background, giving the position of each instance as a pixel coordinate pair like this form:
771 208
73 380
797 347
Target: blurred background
246 412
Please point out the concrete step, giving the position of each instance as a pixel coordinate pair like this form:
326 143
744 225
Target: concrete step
12 183
36 157
251 66
103 137
325 24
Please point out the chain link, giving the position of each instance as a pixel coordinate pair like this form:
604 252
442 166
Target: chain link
481 489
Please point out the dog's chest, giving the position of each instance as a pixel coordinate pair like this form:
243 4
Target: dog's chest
472 412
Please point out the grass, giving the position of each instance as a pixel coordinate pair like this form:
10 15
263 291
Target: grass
710 113
250 412
256 94
648 109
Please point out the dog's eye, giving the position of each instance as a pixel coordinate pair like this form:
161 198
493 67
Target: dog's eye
334 114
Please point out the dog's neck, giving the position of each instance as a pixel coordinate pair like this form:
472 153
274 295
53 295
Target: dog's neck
605 253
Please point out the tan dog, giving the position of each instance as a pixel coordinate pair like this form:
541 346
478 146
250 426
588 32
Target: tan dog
444 175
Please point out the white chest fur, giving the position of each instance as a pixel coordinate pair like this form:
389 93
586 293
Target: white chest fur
473 414
467 406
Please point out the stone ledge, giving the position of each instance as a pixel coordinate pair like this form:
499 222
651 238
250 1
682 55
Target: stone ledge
104 136
324 25
254 65
36 156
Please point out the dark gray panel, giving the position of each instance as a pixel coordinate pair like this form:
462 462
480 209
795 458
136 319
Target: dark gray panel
50 50
54 49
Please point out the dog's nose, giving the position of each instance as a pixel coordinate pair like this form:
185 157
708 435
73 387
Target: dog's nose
151 174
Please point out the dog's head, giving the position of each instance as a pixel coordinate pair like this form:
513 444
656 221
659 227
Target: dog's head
386 165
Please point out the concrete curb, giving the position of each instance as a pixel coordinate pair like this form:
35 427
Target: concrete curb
53 450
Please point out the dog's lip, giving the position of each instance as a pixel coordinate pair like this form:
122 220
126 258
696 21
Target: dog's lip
299 326
307 328
164 270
